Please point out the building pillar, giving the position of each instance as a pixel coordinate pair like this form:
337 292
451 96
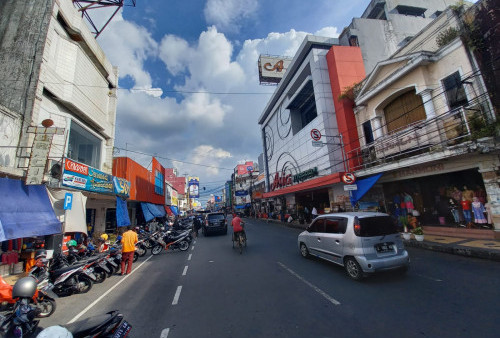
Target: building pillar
377 127
491 179
428 103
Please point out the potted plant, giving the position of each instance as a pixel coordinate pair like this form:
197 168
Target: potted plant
419 234
406 234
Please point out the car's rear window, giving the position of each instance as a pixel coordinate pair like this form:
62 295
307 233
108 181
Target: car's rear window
216 217
377 226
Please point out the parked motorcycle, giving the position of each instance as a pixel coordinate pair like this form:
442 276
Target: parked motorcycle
172 241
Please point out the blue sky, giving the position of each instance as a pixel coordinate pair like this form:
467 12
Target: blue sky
189 80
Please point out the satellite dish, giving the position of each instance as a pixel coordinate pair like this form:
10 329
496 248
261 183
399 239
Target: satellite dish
55 171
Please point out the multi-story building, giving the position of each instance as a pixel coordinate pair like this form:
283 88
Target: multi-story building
243 177
426 122
52 71
387 25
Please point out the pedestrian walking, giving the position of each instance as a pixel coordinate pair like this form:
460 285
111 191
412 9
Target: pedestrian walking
129 238
314 213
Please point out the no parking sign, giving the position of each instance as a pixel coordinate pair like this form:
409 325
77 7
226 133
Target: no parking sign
348 178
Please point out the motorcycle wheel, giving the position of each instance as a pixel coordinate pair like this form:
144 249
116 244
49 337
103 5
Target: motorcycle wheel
46 307
183 245
157 249
141 250
100 275
84 284
136 257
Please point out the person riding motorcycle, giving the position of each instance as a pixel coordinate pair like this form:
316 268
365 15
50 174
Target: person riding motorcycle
237 225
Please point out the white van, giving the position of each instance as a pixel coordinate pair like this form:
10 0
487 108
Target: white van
362 242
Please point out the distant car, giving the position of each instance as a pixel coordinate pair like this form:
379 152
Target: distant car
215 222
361 242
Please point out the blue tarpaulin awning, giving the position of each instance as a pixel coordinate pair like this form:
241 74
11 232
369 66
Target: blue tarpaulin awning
174 210
151 211
25 211
363 186
122 219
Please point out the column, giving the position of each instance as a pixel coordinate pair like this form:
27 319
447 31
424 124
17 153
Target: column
428 104
377 127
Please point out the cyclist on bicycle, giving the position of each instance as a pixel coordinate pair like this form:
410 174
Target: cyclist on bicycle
237 225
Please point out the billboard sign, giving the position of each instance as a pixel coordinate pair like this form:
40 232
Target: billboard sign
81 176
272 68
243 169
194 187
174 198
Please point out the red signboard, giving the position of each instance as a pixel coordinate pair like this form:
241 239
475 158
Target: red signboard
242 169
316 134
281 181
76 167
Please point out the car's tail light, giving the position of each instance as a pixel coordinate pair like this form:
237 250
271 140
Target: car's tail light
206 222
357 227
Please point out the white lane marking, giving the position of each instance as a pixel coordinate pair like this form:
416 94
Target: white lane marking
430 278
164 333
189 257
314 287
185 270
177 295
105 293
194 242
192 248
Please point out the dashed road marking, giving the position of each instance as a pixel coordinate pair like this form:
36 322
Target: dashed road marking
192 248
189 257
314 287
164 333
185 270
430 278
177 295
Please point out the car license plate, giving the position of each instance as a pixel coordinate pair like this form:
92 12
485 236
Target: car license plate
122 330
384 247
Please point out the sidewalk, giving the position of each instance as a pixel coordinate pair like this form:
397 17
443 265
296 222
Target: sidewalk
478 248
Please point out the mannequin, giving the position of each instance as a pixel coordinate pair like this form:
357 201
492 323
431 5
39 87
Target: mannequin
454 210
479 210
466 209
408 202
456 194
468 194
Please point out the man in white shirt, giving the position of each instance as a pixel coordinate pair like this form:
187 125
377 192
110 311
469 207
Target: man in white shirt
314 213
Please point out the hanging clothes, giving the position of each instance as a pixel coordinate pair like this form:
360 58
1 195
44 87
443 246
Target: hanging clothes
478 210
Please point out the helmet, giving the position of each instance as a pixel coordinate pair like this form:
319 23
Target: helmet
40 253
137 229
119 238
104 237
25 287
55 332
71 243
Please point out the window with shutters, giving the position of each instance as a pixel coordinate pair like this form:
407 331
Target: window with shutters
404 111
455 91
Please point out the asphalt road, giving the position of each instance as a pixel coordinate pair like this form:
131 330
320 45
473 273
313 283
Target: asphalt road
271 291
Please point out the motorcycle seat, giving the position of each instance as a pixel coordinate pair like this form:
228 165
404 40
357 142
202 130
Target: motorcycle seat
90 326
58 272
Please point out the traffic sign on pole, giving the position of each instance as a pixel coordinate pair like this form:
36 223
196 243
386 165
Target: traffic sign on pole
315 134
348 178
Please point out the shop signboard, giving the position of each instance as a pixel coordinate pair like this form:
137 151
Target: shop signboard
175 198
350 187
194 187
241 193
121 186
80 176
272 68
243 169
302 176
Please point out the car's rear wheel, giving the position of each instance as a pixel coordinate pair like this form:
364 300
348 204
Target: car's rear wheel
304 251
353 269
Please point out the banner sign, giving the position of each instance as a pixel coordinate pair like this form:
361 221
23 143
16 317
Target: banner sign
218 199
300 177
241 193
194 187
81 176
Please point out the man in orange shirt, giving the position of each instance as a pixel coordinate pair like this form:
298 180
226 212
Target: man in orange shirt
129 238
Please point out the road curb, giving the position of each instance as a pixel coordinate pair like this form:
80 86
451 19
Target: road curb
455 250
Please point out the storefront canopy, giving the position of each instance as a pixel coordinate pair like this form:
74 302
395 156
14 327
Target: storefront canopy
169 211
364 185
151 211
74 217
25 211
174 210
122 219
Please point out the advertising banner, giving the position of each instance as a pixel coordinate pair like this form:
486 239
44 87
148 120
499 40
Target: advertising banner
194 187
175 199
243 169
218 199
81 176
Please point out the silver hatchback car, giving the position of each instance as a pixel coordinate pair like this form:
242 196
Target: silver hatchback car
362 242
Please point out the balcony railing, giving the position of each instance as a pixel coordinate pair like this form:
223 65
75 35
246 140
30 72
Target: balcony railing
446 131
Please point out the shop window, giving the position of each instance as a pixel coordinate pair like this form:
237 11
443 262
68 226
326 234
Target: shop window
353 41
111 220
404 111
368 132
455 91
303 108
83 146
90 219
411 10
159 179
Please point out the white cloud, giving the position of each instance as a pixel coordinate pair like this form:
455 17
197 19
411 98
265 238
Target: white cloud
128 46
331 32
227 15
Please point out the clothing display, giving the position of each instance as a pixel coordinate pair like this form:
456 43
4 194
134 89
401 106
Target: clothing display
409 203
454 210
466 209
468 194
479 210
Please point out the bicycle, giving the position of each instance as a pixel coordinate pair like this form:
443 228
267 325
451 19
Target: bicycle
240 238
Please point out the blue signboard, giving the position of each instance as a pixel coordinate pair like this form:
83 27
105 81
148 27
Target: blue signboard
194 187
80 176
68 201
241 193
